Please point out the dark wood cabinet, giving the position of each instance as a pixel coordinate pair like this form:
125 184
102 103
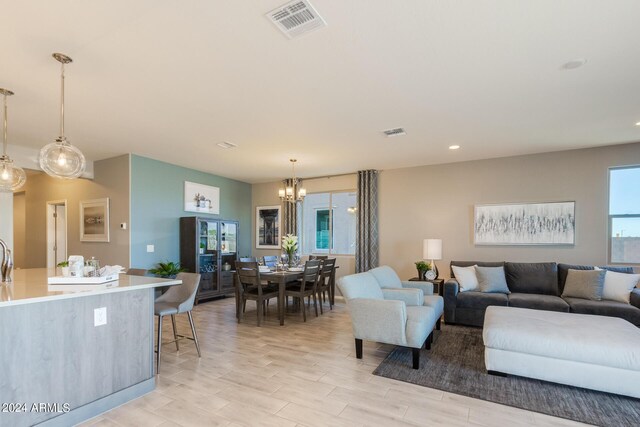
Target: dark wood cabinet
209 247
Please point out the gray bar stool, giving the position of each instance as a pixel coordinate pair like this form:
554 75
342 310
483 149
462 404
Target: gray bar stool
178 299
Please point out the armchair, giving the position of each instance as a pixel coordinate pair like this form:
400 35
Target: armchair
388 279
390 316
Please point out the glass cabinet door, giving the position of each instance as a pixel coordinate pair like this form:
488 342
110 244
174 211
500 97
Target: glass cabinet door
228 249
208 254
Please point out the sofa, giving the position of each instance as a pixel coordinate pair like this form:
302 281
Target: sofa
532 285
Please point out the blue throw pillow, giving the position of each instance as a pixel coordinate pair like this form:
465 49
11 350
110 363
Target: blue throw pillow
492 280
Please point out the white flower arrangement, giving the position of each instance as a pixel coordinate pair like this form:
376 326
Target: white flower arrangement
290 243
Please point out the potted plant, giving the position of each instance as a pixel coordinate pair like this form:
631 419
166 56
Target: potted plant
167 270
64 266
202 246
290 246
422 268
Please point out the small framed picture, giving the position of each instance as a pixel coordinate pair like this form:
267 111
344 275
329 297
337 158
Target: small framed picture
268 227
201 198
94 220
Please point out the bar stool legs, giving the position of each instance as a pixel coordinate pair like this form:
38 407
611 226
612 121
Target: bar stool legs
193 331
175 331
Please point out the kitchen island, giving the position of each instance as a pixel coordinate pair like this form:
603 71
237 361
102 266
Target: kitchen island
60 363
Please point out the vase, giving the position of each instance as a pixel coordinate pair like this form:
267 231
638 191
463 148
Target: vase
291 259
421 274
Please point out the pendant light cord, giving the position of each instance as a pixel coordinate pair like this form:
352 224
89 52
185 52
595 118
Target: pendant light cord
62 102
4 133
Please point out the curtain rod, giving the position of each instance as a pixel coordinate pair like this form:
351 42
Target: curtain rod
335 176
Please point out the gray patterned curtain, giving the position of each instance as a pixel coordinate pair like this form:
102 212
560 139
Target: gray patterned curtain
289 214
367 222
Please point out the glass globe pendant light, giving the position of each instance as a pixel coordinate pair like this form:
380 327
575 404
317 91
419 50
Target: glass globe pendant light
60 159
11 177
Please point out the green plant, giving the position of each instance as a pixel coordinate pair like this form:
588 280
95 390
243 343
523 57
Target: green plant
166 269
422 266
63 264
202 245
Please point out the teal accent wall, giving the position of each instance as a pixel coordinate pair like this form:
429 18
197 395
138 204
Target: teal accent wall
157 203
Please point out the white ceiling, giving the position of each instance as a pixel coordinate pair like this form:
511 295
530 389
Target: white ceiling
169 79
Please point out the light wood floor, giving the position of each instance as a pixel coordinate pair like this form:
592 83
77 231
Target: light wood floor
299 374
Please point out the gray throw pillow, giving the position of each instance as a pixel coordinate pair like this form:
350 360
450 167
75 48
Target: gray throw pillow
492 280
587 284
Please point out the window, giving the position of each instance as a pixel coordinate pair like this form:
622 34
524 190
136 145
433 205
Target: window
624 215
327 224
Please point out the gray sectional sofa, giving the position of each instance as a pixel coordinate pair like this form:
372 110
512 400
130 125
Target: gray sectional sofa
532 285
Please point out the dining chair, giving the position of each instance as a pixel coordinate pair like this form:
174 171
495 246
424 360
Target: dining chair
312 257
250 287
136 272
327 267
306 286
270 260
177 300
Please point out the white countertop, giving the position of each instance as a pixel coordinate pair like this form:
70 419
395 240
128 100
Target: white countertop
30 286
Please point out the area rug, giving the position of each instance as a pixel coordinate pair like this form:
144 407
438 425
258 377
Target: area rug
455 364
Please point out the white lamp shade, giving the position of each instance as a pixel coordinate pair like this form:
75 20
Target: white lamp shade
432 249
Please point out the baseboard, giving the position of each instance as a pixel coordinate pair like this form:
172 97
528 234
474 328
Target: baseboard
99 406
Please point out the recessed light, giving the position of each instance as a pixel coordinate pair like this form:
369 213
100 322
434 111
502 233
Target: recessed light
572 65
638 124
454 147
225 145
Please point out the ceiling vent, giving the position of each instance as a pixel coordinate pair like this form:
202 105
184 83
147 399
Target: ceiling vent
394 132
225 144
296 18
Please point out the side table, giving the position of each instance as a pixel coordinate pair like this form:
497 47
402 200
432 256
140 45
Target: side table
438 284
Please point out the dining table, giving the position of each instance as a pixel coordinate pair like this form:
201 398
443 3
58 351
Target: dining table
282 277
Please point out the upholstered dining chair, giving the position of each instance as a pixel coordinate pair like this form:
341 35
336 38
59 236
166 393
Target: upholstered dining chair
306 286
177 300
251 287
324 282
136 272
270 260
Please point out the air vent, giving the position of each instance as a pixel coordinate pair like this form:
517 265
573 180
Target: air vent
394 132
296 18
225 144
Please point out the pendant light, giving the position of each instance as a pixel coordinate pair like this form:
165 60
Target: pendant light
294 192
60 159
11 177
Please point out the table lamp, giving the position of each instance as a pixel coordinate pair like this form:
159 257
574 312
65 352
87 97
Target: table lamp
432 249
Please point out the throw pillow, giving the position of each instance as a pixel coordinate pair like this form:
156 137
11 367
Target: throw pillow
492 280
585 284
618 286
466 277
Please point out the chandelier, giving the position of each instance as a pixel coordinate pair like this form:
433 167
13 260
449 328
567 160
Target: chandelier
293 190
11 177
60 159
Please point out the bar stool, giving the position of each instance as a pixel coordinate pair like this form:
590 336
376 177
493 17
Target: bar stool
178 299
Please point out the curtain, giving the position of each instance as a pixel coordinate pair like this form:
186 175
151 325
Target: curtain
367 221
289 213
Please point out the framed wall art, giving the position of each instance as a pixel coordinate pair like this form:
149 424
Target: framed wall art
551 223
201 198
268 227
94 220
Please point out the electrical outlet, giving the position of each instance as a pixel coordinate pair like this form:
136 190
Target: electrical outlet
150 248
123 225
100 316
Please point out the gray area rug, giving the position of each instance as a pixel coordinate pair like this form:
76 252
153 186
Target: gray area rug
455 364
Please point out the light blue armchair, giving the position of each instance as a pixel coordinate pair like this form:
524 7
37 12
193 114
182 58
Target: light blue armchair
388 279
390 316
